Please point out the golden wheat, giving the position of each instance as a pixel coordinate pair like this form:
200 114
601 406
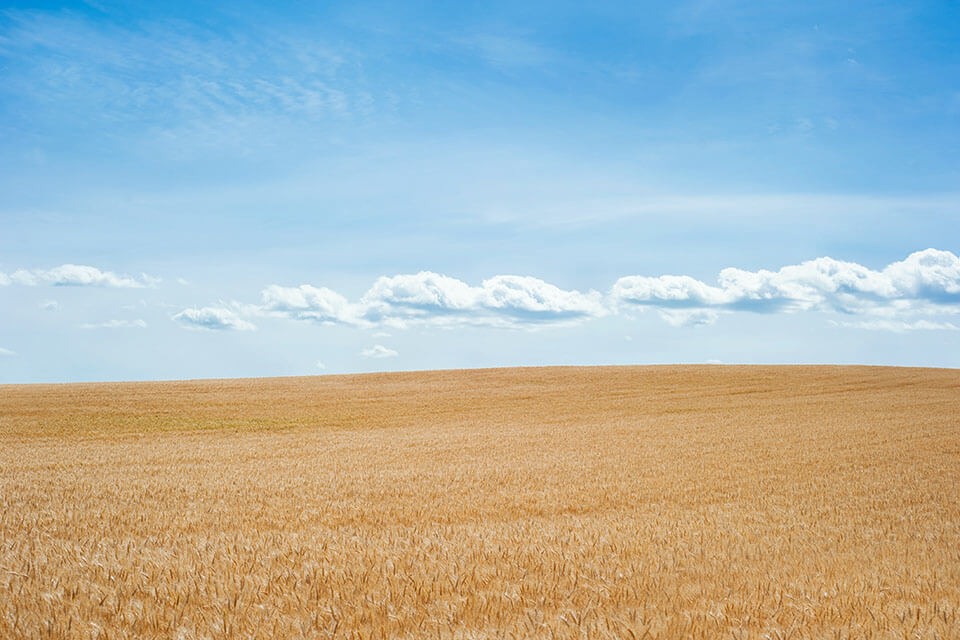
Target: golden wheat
620 502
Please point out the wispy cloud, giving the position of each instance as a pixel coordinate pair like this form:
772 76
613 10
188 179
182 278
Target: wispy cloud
688 317
76 275
213 319
173 75
7 352
116 324
577 209
897 326
379 351
505 50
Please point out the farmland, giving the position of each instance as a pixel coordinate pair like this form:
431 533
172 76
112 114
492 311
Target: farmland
601 502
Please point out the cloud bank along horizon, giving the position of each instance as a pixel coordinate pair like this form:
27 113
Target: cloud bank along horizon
901 296
925 283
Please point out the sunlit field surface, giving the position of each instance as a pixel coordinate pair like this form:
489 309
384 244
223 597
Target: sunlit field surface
621 502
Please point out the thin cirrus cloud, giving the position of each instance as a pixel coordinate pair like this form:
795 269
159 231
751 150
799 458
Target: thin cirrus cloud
76 275
116 324
898 326
115 73
924 283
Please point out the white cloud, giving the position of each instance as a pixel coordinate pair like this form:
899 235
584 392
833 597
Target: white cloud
77 275
689 317
667 291
379 351
306 302
433 298
929 274
4 279
926 281
509 301
321 365
531 298
24 277
116 324
213 318
422 294
49 305
7 352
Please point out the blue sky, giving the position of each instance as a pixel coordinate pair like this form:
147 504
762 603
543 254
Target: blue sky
193 190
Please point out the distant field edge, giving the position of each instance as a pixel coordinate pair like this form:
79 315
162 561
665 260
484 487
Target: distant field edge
518 368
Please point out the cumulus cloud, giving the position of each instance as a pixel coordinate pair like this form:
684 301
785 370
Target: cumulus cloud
924 283
926 280
306 302
931 274
499 301
379 351
116 324
213 318
76 275
433 298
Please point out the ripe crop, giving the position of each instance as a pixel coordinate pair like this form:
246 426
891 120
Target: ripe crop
608 502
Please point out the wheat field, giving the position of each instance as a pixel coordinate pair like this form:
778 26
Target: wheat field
607 502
